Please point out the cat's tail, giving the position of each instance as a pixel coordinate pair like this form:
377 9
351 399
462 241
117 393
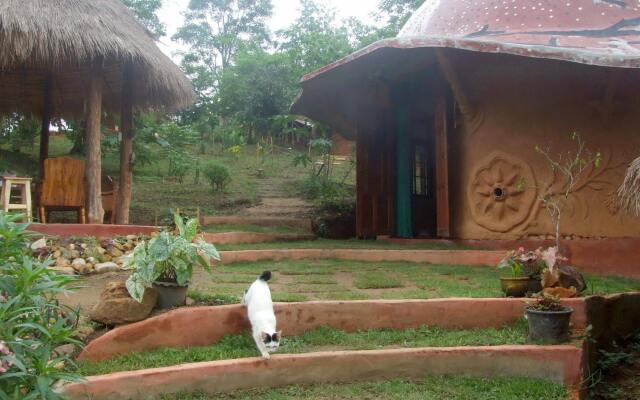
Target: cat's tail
266 275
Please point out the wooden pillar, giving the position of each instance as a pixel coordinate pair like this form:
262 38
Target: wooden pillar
442 165
123 201
93 169
46 121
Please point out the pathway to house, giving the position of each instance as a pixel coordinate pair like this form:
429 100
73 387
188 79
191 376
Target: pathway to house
276 202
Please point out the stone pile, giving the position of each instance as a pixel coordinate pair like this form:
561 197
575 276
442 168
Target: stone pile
86 255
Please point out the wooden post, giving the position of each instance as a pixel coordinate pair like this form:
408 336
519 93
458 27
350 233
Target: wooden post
46 122
123 201
93 171
442 165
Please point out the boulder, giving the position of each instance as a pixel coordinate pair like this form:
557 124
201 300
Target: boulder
62 262
115 252
106 267
80 266
116 307
570 277
39 244
63 270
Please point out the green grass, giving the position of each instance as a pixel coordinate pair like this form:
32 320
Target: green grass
242 346
430 388
221 228
377 280
353 280
341 244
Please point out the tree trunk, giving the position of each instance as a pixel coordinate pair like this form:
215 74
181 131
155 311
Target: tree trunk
93 169
126 147
46 122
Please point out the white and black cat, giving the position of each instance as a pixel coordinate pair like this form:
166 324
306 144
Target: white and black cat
261 315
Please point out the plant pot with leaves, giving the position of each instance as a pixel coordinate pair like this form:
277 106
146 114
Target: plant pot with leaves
548 320
166 263
526 268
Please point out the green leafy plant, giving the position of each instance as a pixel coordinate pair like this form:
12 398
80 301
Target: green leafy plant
179 164
34 325
169 257
547 302
218 175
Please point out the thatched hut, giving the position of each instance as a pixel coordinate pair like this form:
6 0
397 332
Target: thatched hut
80 58
630 190
446 117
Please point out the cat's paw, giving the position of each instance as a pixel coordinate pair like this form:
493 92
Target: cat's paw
266 355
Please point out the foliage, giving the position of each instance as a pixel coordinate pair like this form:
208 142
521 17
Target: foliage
179 164
395 13
169 257
572 168
547 302
34 324
525 263
13 237
145 11
218 175
19 131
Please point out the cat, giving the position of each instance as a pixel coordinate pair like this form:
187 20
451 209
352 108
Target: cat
257 299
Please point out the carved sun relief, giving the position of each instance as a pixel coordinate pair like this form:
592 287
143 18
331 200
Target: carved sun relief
502 192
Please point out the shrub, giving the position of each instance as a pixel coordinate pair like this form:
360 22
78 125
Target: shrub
218 175
34 324
179 165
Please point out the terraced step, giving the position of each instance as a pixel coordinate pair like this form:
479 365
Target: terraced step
253 237
299 223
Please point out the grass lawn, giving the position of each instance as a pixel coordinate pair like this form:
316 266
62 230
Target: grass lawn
340 244
222 228
431 388
353 280
241 346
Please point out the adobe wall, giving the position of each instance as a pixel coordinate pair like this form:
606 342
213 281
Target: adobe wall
518 104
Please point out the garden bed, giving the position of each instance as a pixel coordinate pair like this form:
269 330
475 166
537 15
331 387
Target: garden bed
321 339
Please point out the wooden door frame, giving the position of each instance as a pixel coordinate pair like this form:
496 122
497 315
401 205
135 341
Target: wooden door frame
441 129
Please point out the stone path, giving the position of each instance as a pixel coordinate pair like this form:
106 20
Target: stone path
277 203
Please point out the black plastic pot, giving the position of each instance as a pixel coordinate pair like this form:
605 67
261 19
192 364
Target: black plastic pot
549 326
170 294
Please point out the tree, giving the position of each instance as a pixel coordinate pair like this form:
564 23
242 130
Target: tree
395 14
257 88
215 30
145 11
313 40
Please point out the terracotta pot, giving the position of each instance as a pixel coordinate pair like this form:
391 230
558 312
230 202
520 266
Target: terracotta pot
517 287
170 295
550 327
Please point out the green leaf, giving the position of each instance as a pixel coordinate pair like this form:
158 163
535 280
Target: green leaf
136 286
160 247
191 230
179 223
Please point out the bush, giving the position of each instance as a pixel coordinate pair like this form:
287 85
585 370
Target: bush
218 175
34 324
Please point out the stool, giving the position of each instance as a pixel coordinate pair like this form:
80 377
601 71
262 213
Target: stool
24 184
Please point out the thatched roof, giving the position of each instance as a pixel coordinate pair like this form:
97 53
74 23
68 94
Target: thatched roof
630 190
63 37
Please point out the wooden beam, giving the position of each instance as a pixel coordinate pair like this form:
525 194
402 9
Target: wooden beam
443 218
46 121
123 201
464 103
93 172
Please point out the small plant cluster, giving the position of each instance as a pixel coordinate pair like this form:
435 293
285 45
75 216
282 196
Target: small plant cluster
218 176
547 303
525 263
169 257
34 324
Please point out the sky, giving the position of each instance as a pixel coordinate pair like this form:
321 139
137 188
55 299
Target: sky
284 12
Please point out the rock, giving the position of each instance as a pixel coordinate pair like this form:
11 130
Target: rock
65 349
84 332
84 245
74 254
63 270
56 254
116 307
570 277
122 260
115 252
62 262
106 267
189 302
71 246
91 260
39 244
132 237
101 250
117 245
80 266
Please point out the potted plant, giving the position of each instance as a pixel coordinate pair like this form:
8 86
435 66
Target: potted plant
548 320
525 267
166 263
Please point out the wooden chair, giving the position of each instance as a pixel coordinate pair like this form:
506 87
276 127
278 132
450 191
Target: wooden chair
62 189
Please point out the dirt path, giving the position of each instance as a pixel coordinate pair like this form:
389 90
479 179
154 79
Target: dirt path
276 202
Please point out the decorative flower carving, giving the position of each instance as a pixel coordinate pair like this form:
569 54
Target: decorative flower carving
502 192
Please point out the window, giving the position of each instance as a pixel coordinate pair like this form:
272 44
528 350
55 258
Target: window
420 171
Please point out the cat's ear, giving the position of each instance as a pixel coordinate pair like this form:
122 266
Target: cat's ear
264 336
278 335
